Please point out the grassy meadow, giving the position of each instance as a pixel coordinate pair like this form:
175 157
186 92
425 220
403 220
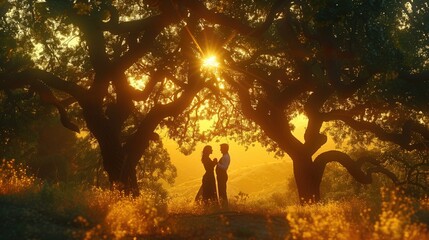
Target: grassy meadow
32 209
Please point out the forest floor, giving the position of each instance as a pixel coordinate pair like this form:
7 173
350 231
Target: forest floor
22 221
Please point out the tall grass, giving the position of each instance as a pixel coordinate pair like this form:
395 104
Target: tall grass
93 213
120 216
393 218
397 219
14 178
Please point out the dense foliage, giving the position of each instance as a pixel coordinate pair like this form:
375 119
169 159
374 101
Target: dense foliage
356 69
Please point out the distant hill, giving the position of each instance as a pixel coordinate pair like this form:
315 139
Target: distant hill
258 180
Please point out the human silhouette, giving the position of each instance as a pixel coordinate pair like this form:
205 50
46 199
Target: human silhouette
222 175
207 192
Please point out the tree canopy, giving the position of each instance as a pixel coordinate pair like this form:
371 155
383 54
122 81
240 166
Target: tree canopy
353 68
356 69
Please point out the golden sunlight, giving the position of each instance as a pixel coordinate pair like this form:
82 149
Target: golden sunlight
210 62
138 83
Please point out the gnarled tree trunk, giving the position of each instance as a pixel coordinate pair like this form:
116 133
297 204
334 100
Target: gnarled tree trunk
307 179
120 163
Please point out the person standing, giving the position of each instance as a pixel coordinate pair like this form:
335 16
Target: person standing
207 191
222 175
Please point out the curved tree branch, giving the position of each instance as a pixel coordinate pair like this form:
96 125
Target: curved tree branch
42 82
415 169
131 27
201 11
312 136
403 138
276 7
137 50
136 143
353 167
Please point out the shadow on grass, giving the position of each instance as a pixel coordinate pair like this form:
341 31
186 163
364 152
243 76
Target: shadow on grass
227 225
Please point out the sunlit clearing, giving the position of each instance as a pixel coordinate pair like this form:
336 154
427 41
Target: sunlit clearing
210 62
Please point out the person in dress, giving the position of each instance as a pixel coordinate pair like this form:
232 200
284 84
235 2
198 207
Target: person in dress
207 192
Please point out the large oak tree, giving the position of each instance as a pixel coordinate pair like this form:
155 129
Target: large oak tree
132 66
128 66
355 69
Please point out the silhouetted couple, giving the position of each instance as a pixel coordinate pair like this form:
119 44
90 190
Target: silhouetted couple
207 192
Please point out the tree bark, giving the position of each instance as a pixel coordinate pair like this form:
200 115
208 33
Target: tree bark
307 179
121 165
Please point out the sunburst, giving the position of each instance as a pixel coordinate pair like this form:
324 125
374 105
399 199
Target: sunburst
210 62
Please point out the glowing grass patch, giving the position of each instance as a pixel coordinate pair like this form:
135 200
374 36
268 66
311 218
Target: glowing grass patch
355 220
395 219
14 177
124 217
327 221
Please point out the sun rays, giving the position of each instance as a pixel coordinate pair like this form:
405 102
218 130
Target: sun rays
210 62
